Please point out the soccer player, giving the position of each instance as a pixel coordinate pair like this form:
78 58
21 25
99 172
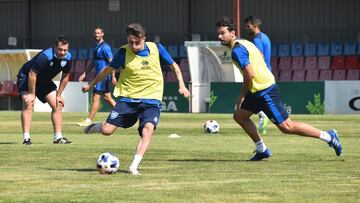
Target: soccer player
262 42
139 88
260 93
102 56
35 80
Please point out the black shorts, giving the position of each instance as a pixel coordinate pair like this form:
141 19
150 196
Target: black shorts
41 89
269 102
126 114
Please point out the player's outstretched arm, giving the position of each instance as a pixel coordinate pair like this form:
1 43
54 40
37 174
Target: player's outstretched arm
99 77
182 89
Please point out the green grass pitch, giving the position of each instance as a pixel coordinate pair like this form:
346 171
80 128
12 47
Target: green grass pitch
193 168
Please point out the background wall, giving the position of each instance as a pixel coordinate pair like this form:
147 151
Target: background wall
36 23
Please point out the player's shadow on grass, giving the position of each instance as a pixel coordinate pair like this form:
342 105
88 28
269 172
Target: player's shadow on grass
206 160
4 143
85 170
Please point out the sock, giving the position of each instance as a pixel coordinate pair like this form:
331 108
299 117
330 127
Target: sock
96 128
262 114
88 120
325 136
26 135
260 146
57 136
136 161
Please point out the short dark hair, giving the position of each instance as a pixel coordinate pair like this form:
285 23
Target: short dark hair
98 27
62 39
135 29
253 20
226 22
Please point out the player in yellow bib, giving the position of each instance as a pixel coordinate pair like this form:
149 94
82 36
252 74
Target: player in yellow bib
260 93
139 89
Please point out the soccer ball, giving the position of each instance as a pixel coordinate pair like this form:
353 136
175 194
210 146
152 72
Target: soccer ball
107 163
211 126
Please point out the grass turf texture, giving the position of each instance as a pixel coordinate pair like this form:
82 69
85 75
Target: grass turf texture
193 168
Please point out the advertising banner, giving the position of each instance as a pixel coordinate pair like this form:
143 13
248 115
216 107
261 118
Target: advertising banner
342 97
298 97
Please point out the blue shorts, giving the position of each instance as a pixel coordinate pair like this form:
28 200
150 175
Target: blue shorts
103 86
269 102
126 114
41 89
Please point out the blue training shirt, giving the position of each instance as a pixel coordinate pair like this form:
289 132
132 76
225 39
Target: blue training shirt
119 62
262 42
46 65
101 55
241 55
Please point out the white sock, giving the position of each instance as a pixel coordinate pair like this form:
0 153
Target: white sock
26 135
262 114
325 136
57 136
88 120
136 161
260 146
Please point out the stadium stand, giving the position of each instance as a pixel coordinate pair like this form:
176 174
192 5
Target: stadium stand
73 52
336 49
339 75
276 74
173 51
323 62
310 49
338 62
353 75
182 51
312 75
8 88
285 75
296 49
283 50
284 63
274 50
297 63
351 62
323 49
325 75
274 63
298 75
310 63
82 53
349 48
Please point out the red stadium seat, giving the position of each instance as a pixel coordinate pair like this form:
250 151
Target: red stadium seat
339 75
285 75
324 63
351 62
325 75
274 63
310 63
298 75
284 63
8 88
297 63
338 62
353 75
312 75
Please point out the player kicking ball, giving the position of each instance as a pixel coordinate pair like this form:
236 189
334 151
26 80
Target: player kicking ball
139 89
